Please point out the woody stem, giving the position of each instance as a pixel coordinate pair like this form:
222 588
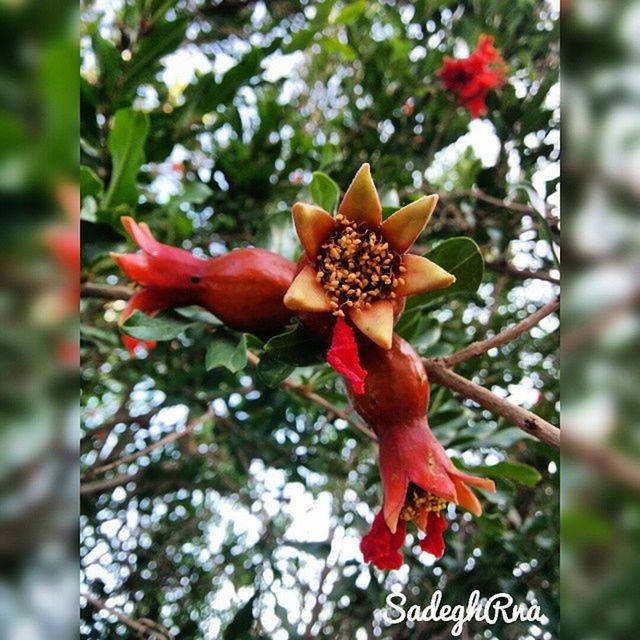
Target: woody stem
523 418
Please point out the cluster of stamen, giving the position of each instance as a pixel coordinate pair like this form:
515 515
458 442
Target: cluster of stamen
357 267
418 500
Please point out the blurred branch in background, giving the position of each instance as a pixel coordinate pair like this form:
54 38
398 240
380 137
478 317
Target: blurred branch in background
601 320
144 628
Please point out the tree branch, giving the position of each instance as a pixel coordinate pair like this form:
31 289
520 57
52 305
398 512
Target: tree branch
144 628
523 418
172 437
482 346
496 202
105 291
290 385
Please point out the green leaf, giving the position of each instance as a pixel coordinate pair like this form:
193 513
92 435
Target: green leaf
163 38
272 371
324 191
98 336
296 347
516 471
222 352
351 12
461 257
126 144
304 38
333 45
141 326
198 314
90 184
108 59
242 622
196 192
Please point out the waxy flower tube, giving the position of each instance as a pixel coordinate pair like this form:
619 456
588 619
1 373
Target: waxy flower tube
418 478
243 288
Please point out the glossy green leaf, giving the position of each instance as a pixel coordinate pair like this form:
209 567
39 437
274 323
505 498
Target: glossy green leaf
461 257
351 12
90 183
324 191
297 347
141 326
161 39
516 471
108 59
126 144
273 371
242 622
223 352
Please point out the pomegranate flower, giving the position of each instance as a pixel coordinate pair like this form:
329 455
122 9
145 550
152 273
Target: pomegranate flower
358 264
418 478
243 288
472 78
418 482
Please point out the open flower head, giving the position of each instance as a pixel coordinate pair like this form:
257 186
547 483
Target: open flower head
358 263
472 78
419 481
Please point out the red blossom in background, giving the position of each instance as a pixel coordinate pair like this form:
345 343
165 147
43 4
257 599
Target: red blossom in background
473 77
62 242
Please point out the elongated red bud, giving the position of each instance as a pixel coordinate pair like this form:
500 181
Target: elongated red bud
244 288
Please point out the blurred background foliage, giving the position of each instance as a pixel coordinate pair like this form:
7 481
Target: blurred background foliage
38 318
208 120
601 327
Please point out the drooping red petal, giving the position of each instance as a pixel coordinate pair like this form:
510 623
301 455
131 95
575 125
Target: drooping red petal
343 356
434 542
381 547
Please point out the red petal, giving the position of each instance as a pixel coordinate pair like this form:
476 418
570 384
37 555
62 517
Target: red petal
343 356
381 547
434 542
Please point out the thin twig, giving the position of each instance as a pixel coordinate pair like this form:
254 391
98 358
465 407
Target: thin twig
437 138
105 291
147 629
289 385
318 604
496 202
172 437
523 418
611 464
98 486
478 348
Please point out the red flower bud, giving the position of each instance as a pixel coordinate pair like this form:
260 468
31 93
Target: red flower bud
244 288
